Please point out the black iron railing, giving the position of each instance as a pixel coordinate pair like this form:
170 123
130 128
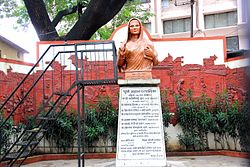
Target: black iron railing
94 63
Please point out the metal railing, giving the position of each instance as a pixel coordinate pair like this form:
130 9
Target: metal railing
94 63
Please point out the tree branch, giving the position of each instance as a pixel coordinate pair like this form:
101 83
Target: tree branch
98 13
62 13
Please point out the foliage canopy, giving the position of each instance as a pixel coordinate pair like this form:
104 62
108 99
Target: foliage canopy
73 19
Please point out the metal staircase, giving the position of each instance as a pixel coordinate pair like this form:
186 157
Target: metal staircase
93 63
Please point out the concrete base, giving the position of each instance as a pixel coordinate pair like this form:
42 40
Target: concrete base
178 161
169 164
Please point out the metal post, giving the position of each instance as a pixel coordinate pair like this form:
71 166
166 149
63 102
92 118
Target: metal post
192 18
78 111
79 125
83 128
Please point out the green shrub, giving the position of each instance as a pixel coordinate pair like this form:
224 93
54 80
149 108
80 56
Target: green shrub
5 133
243 128
61 131
101 122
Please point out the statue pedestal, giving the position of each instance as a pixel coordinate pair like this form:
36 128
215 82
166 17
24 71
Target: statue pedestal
135 75
140 135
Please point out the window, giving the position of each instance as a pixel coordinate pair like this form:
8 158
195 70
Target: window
147 26
18 55
232 43
145 1
237 54
178 25
221 20
164 3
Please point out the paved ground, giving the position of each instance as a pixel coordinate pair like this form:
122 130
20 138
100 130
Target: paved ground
180 161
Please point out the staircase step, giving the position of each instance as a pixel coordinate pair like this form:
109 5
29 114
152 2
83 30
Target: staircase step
62 94
24 143
47 106
35 130
15 155
45 118
15 165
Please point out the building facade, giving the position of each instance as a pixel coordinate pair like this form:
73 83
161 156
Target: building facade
202 18
10 50
12 57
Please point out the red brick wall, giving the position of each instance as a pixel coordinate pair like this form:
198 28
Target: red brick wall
177 78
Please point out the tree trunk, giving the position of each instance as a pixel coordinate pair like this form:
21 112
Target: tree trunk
40 20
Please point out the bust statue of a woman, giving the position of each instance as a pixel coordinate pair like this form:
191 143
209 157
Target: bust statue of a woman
136 53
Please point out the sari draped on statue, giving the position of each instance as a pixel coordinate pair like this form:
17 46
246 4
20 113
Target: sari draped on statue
134 58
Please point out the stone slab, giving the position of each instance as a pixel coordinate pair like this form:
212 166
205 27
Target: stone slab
140 128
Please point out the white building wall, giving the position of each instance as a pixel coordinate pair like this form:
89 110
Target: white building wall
18 68
201 8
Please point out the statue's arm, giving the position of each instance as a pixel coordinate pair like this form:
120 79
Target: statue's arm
122 55
151 53
155 58
121 61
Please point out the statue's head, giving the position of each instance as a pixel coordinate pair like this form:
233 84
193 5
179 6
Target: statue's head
135 24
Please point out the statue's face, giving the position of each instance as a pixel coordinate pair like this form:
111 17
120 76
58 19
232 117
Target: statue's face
134 27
